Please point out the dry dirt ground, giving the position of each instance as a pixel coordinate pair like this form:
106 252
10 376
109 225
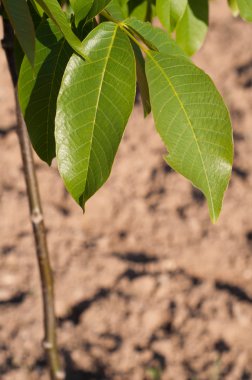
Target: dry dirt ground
144 282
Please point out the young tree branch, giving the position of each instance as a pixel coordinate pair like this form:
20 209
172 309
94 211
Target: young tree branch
37 220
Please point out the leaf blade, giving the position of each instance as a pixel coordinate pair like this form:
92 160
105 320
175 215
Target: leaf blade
194 124
163 8
54 11
89 126
97 7
245 7
38 88
21 21
155 38
81 9
192 28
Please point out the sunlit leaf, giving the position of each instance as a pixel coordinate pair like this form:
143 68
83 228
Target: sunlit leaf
95 101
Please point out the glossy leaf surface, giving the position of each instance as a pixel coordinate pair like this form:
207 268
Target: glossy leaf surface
95 101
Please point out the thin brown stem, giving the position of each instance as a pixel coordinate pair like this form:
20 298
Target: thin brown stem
37 220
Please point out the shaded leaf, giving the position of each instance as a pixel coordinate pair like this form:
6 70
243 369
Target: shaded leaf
141 79
37 8
54 11
194 124
95 101
21 21
38 88
192 28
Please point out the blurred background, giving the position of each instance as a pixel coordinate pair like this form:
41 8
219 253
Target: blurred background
146 287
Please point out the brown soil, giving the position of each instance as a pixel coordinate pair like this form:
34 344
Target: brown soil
143 280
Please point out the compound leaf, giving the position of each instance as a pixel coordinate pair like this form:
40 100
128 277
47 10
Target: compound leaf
194 124
94 104
38 87
245 7
192 28
21 21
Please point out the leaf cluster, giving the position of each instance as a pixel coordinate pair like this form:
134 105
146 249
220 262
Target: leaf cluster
77 84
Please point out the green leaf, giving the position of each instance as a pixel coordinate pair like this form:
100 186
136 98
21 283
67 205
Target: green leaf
194 124
81 9
155 38
163 8
97 7
54 11
177 11
192 28
141 79
118 9
94 104
170 12
37 8
38 88
234 7
138 9
21 21
245 7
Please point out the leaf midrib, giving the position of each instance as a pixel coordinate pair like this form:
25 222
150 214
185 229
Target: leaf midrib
97 104
190 124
